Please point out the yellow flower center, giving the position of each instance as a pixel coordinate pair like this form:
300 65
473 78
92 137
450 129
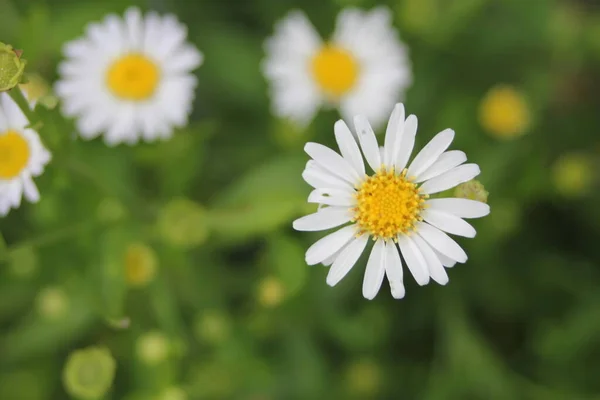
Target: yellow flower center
133 77
504 112
335 70
388 205
14 154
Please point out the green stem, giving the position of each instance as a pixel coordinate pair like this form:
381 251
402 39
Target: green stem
19 98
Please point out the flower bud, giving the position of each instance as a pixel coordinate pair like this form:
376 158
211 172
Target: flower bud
140 264
183 223
89 373
52 303
472 190
12 67
153 348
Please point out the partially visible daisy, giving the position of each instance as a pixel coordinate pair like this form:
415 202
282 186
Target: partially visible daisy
364 68
390 205
22 156
129 78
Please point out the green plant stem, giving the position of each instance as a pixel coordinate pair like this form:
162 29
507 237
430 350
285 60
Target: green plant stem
19 98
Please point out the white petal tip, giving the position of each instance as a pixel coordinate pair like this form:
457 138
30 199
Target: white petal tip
422 282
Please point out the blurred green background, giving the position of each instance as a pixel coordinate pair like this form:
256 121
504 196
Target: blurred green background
174 264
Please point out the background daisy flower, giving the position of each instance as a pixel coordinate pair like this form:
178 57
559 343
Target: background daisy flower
129 78
391 205
362 69
22 156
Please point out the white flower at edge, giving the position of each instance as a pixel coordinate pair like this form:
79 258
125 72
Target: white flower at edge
129 78
391 205
364 68
22 156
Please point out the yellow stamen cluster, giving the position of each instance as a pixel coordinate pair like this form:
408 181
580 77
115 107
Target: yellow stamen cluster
14 154
335 70
388 205
133 77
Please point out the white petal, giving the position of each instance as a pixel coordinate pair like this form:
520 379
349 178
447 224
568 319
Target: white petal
135 28
349 147
444 163
327 246
434 264
449 223
375 271
346 260
414 259
368 142
14 116
393 270
395 124
321 179
463 208
331 161
325 218
450 179
446 261
329 260
405 146
441 242
430 153
3 120
30 190
332 197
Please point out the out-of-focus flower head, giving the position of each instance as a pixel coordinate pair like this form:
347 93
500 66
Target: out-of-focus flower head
573 174
129 78
504 112
140 264
362 69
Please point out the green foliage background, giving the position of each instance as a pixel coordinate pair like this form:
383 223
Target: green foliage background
521 320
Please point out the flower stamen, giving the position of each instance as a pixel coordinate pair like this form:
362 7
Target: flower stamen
388 204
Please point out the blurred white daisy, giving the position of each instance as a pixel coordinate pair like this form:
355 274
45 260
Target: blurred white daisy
129 78
22 156
364 68
391 205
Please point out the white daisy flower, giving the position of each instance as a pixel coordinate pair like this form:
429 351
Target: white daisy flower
392 205
364 68
22 156
129 78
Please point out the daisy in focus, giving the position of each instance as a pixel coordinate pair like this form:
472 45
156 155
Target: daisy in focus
390 205
364 68
129 78
22 156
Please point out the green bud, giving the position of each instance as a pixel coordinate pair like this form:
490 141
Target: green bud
110 211
472 190
573 174
89 373
173 393
153 348
212 326
23 262
52 303
183 223
12 67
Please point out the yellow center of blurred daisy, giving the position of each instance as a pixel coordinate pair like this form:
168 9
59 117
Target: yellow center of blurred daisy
133 77
335 70
14 154
388 205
